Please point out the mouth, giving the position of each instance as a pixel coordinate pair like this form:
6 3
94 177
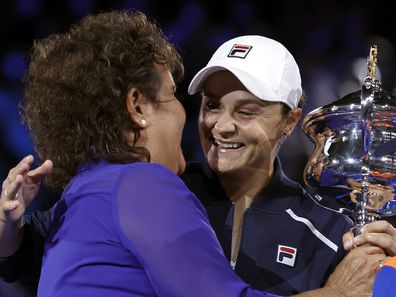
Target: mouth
227 145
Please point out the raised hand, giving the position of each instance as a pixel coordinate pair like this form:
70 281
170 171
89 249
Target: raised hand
18 190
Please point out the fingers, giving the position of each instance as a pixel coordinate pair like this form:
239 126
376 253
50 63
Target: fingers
14 181
383 240
10 192
38 174
347 240
380 233
21 169
368 249
10 205
379 227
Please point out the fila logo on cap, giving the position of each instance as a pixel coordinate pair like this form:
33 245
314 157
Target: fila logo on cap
286 255
239 51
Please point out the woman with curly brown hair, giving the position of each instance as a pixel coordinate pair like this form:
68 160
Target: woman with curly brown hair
100 103
76 87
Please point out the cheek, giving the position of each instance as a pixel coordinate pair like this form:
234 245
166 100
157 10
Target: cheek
182 112
262 136
181 116
206 122
204 132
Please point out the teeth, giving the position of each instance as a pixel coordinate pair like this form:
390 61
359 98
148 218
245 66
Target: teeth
227 145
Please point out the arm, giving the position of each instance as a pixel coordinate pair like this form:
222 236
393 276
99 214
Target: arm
166 227
18 190
25 263
21 247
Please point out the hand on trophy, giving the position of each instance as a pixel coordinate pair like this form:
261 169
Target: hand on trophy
354 275
380 233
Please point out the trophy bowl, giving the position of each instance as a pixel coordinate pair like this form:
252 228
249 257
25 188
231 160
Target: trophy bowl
353 166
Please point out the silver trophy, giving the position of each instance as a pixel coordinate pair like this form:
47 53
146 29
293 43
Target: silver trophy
353 166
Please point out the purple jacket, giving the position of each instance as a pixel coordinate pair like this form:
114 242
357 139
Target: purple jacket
134 230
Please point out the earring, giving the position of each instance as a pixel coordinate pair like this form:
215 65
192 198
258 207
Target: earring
143 122
283 138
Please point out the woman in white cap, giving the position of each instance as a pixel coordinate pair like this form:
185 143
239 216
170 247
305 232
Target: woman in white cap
275 235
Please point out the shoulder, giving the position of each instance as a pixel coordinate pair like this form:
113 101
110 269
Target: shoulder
202 181
323 216
149 174
147 193
194 173
150 182
146 169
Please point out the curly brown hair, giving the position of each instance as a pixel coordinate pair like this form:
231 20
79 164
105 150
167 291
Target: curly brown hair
76 86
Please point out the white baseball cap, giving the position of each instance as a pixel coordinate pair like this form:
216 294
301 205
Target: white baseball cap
264 66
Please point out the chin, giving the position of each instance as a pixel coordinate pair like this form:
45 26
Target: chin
181 168
222 168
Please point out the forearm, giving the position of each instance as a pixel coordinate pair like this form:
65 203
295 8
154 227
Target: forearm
11 236
25 263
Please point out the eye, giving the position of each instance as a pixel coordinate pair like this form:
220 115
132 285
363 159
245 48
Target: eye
211 104
244 112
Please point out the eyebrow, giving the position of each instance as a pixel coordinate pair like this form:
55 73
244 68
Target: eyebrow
209 94
242 101
253 101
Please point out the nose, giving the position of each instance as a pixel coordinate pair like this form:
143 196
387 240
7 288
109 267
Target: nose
225 125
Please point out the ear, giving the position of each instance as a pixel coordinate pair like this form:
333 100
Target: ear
136 104
292 119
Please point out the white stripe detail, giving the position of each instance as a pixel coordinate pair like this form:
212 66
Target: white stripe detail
311 227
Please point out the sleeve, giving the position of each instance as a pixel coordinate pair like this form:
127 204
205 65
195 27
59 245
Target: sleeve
25 264
385 279
163 224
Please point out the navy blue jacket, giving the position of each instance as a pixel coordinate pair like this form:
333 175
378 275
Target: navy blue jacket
289 243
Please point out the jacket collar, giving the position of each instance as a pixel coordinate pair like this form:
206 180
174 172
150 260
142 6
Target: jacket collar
281 192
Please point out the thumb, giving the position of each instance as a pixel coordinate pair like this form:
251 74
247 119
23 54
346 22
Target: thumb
10 205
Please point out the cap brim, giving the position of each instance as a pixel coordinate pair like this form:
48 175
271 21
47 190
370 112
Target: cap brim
250 83
198 80
264 93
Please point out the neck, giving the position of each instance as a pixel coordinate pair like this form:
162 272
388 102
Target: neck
249 182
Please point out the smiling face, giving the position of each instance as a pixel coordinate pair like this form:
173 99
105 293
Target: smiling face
238 131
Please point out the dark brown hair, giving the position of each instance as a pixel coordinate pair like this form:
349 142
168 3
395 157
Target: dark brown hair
76 86
286 109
